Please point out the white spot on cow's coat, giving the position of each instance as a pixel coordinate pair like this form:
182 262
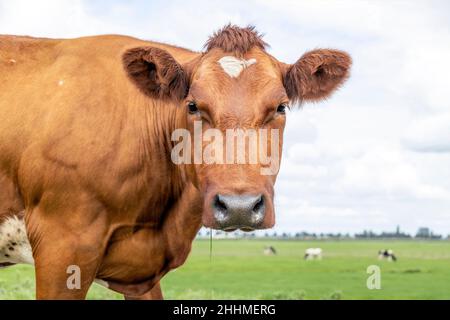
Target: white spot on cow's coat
234 66
61 83
14 244
101 282
12 61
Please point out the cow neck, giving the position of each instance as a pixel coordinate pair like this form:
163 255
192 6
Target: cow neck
185 219
160 120
182 225
182 216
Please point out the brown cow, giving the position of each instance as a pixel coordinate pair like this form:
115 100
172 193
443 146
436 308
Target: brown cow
86 150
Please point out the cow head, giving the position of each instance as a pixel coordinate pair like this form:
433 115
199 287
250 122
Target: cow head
235 97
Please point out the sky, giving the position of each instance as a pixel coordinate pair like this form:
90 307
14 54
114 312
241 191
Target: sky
373 156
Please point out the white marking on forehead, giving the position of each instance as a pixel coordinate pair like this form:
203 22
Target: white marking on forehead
61 83
14 244
234 66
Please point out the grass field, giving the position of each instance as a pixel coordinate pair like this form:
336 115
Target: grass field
239 270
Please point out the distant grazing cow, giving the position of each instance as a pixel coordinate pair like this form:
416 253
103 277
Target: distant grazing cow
387 254
270 251
95 150
313 253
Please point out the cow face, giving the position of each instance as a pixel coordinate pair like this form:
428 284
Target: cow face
235 98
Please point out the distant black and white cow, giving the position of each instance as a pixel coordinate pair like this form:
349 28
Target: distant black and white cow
387 254
270 251
313 253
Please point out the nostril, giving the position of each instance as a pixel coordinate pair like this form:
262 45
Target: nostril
259 204
219 204
245 212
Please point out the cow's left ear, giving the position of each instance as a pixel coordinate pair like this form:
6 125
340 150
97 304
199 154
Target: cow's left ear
316 74
156 73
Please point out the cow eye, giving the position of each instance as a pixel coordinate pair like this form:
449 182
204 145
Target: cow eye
282 108
192 107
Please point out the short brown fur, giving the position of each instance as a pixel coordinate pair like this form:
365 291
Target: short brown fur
85 147
233 39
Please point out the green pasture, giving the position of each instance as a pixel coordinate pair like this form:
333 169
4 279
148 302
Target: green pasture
239 270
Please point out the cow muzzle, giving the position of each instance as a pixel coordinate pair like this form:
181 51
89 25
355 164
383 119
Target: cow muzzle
245 212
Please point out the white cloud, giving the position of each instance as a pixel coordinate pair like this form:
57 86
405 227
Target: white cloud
429 134
385 170
48 18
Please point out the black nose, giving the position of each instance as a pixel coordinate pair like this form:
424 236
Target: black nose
244 212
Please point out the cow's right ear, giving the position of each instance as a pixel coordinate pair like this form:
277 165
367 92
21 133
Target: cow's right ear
156 73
